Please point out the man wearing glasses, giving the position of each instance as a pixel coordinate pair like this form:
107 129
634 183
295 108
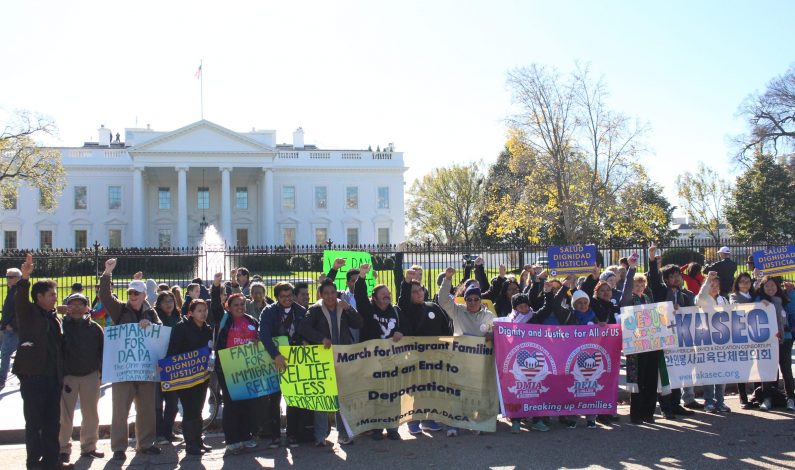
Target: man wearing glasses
241 283
135 310
8 325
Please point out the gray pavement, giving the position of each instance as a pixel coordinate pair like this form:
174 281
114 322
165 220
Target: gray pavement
741 439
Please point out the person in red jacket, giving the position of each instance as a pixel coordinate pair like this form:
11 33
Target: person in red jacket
691 274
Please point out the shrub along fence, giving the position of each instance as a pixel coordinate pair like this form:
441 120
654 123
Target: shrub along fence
179 266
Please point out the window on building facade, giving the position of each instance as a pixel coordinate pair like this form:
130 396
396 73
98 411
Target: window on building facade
352 235
164 198
241 198
321 197
45 239
114 197
10 200
321 235
383 236
81 197
288 235
10 239
288 197
352 197
114 238
383 197
81 239
204 197
242 237
164 238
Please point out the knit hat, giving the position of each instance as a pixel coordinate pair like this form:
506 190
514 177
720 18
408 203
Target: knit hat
577 295
606 275
138 286
519 299
472 290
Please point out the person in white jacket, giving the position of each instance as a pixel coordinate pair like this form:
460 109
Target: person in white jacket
708 298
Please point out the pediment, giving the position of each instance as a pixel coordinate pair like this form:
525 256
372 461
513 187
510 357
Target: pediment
201 137
115 221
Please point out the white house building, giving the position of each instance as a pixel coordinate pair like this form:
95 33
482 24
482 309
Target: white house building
157 188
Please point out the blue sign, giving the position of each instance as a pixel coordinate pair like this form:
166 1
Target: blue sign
775 261
574 259
184 370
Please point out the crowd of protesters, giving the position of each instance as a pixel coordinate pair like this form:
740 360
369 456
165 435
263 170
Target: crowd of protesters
58 346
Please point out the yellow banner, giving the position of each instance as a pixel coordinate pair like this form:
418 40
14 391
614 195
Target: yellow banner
383 383
309 380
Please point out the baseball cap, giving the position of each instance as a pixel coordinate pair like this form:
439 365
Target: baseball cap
725 250
137 285
77 296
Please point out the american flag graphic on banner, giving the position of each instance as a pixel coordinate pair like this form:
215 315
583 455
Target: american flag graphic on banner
589 363
531 363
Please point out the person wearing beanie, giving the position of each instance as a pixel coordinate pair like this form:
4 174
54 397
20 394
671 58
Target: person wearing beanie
472 319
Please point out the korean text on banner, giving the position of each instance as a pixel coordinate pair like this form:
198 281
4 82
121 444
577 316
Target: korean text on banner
574 259
130 353
249 371
383 383
353 259
732 344
775 261
309 380
184 370
557 370
648 327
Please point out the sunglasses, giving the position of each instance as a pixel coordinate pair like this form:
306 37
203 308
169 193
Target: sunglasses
473 299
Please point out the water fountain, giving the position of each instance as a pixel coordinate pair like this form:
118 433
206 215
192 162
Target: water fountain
212 259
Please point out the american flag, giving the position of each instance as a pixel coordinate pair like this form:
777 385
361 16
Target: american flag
589 363
530 363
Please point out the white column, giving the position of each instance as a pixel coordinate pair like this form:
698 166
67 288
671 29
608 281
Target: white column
266 207
182 207
226 207
138 202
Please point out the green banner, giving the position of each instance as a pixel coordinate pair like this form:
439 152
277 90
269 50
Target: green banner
309 380
383 383
353 259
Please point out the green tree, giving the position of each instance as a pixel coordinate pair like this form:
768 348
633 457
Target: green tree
762 204
445 204
24 161
640 213
702 196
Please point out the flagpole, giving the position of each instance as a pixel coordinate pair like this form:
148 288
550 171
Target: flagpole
201 88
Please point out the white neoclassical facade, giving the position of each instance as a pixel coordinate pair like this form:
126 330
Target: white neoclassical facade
156 188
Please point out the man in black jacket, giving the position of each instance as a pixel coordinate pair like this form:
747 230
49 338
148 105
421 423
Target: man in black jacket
8 325
83 341
725 268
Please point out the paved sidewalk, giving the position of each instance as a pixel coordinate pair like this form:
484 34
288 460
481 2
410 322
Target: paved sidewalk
741 439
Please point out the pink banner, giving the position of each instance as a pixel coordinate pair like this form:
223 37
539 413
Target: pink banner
546 370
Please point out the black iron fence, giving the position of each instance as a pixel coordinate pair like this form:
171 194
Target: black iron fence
179 266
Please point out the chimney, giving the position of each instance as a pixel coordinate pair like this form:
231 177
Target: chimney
298 138
104 136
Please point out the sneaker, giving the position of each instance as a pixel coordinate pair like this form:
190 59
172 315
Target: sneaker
235 448
649 419
723 408
94 454
766 405
344 441
590 424
452 432
431 426
251 443
679 410
710 408
604 419
749 406
571 424
162 440
540 426
516 427
274 443
694 405
392 434
414 427
790 404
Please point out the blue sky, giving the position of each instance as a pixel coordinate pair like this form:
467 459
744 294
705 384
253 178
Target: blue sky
426 75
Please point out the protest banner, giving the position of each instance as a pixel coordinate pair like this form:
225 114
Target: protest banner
130 353
557 370
383 383
647 327
573 259
731 344
776 261
353 259
249 371
184 370
309 381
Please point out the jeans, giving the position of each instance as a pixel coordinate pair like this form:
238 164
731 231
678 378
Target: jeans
321 426
688 395
166 415
713 394
41 397
8 346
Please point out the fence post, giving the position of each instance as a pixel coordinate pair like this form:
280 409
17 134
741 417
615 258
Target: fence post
96 257
429 277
